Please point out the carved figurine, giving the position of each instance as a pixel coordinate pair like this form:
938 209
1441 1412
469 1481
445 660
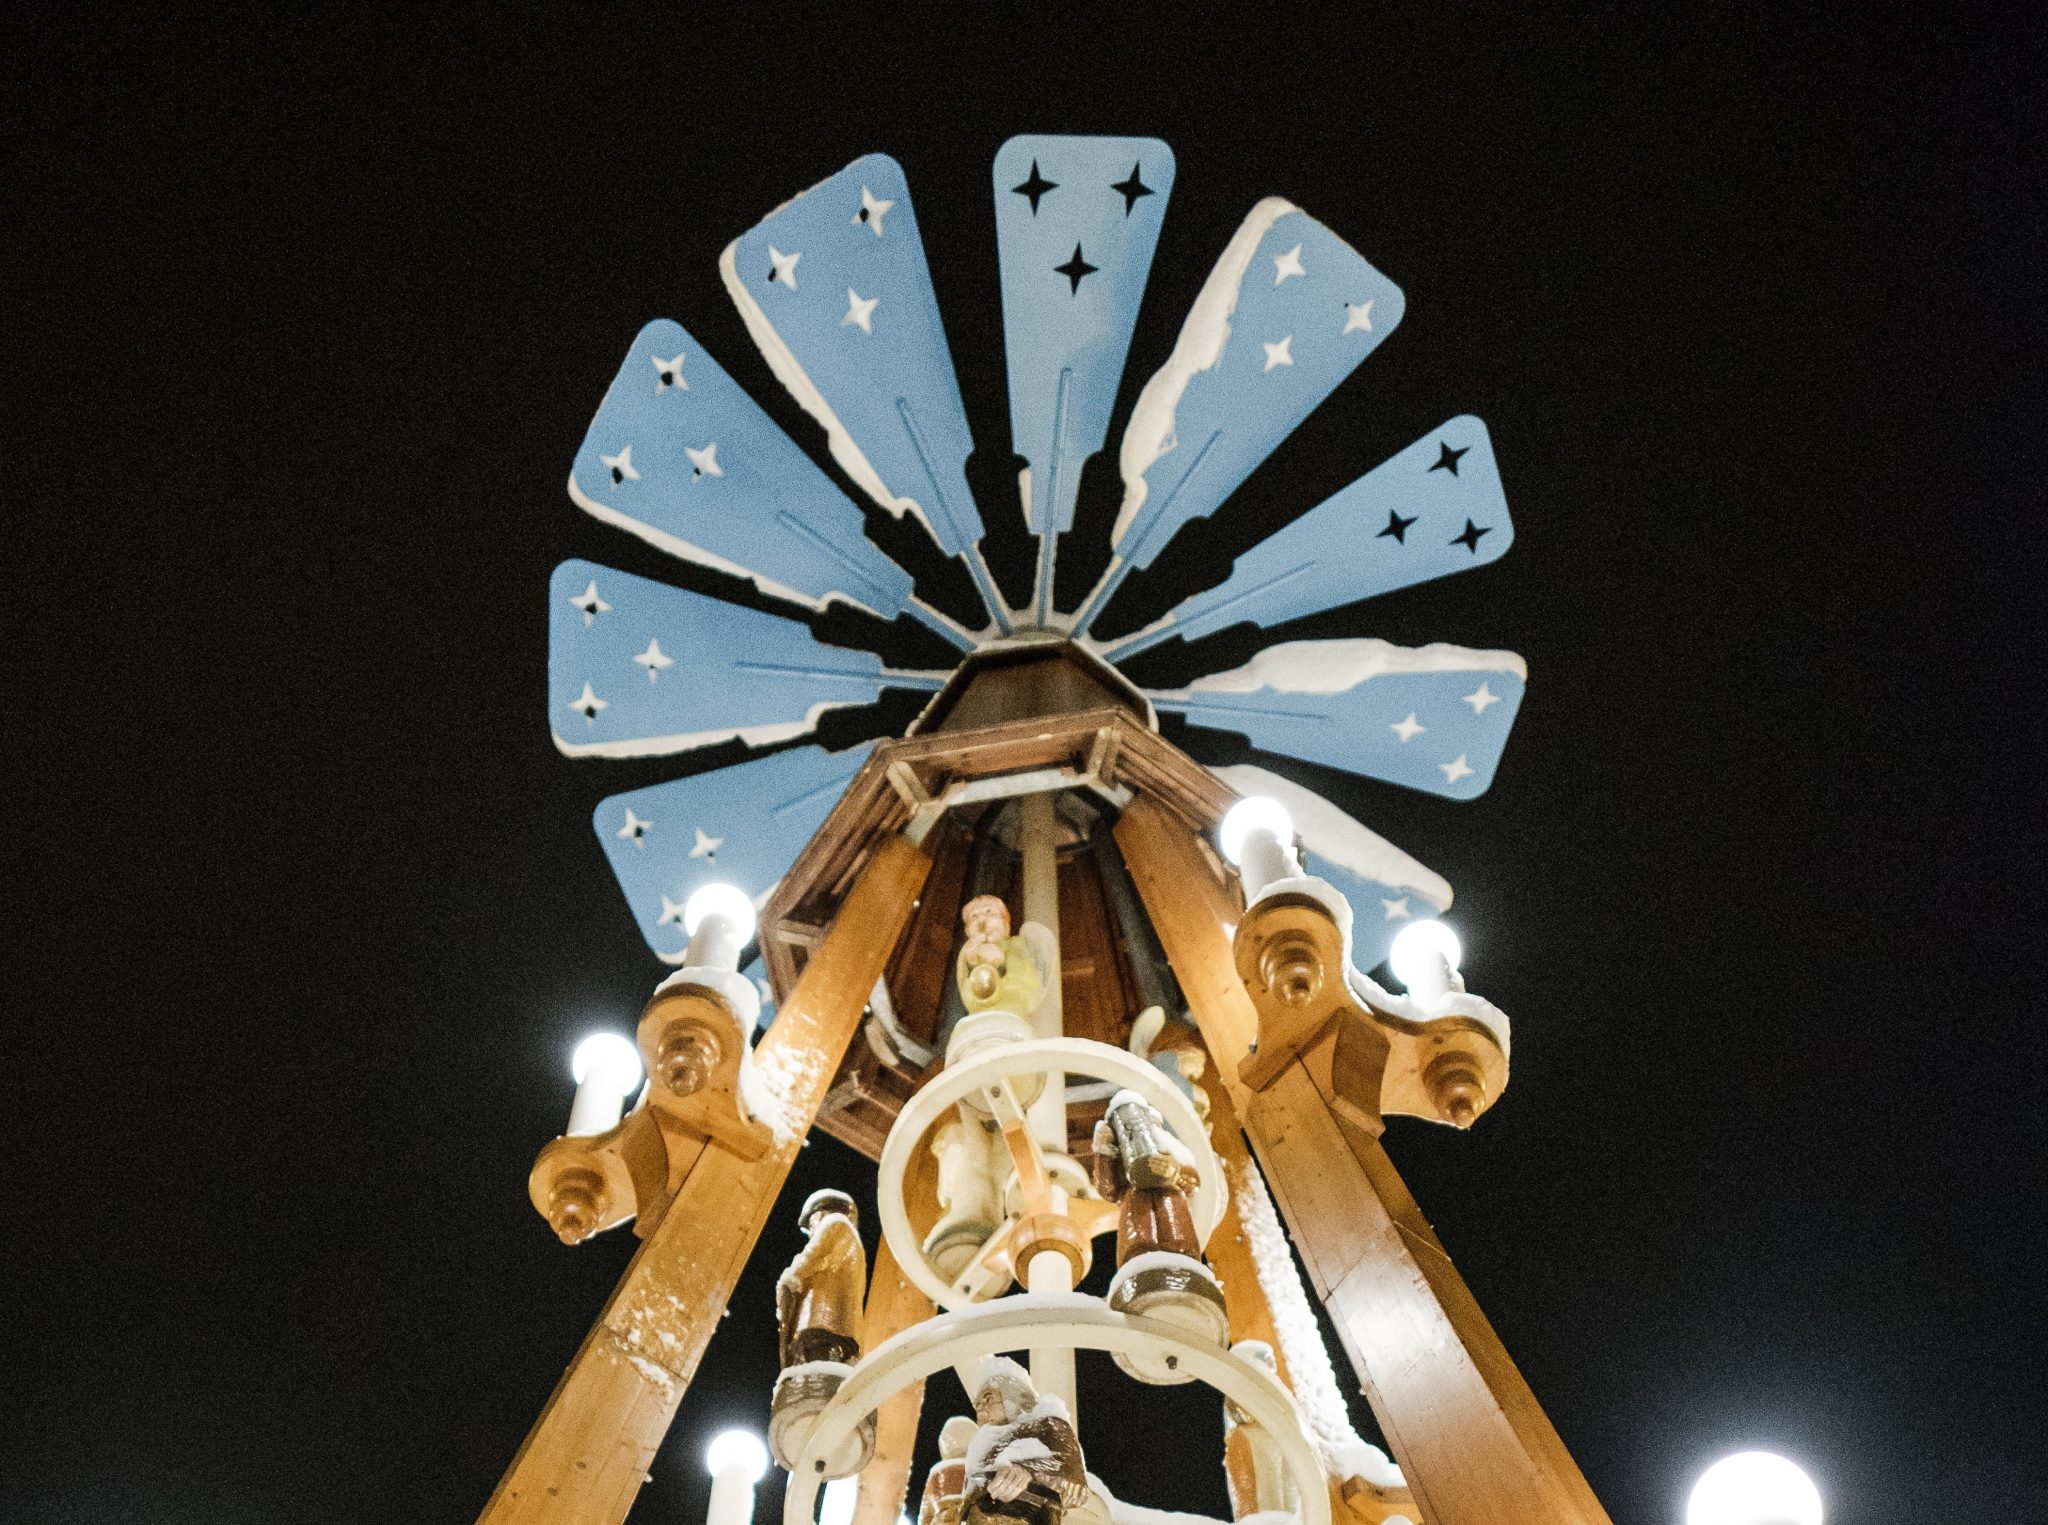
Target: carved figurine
945 1486
1137 1167
1024 1463
996 970
818 1306
818 1300
969 1193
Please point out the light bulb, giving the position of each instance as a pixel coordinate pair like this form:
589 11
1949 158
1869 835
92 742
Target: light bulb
737 1449
608 1061
1260 812
1424 955
722 900
1753 1488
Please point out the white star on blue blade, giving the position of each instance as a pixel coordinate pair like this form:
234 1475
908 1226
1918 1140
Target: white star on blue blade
1288 312
1387 888
1077 220
841 304
716 482
1434 509
1434 718
733 673
761 813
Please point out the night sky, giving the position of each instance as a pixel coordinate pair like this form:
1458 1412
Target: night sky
304 328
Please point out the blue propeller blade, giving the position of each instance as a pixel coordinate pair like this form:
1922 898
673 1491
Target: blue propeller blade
1077 220
835 290
1288 312
682 457
1434 509
1386 888
637 668
1434 718
742 825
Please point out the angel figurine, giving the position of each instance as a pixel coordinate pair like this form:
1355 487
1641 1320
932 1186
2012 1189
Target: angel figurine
1024 1463
995 970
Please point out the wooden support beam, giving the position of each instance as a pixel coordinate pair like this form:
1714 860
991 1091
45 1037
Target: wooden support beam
1474 1444
587 1455
893 1306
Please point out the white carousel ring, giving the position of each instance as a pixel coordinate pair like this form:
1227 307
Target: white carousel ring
1003 1061
1067 1321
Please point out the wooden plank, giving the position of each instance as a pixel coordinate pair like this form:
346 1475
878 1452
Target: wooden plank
1474 1444
893 1305
586 1456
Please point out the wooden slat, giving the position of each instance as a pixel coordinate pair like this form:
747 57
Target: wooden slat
587 1455
1474 1444
893 1306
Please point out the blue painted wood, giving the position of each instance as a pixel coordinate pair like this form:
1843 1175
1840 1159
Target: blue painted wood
742 825
1378 910
1434 509
1301 315
1336 703
1067 326
637 668
681 456
839 276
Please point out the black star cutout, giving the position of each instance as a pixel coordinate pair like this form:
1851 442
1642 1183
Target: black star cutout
1396 526
1035 187
1075 268
1131 189
1470 539
1447 458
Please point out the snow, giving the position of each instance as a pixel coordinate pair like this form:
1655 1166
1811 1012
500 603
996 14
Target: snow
1157 1260
1329 833
1332 667
1301 1341
1122 1513
766 1086
1149 434
1029 1448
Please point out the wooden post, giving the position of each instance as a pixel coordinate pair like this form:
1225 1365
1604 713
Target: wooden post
1469 1435
893 1306
587 1455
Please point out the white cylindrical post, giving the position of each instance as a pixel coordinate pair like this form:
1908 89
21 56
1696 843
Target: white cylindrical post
719 921
1038 844
605 1068
1258 837
736 1461
1052 1367
1424 958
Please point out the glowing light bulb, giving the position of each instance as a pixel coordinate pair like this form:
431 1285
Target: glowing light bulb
1753 1488
1258 813
605 1068
737 1450
722 900
1425 958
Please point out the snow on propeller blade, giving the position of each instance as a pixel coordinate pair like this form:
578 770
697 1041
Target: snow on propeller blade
1077 220
637 668
681 456
835 292
1288 312
1434 718
1434 509
743 825
1386 888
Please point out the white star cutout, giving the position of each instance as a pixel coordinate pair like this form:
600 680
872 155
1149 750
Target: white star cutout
705 460
1481 698
634 830
621 465
654 659
872 211
1287 264
587 704
1278 354
1455 769
706 845
859 310
668 373
1358 315
1408 729
671 913
1397 910
591 605
785 266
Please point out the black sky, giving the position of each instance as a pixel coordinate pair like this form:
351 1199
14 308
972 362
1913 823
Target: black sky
304 326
